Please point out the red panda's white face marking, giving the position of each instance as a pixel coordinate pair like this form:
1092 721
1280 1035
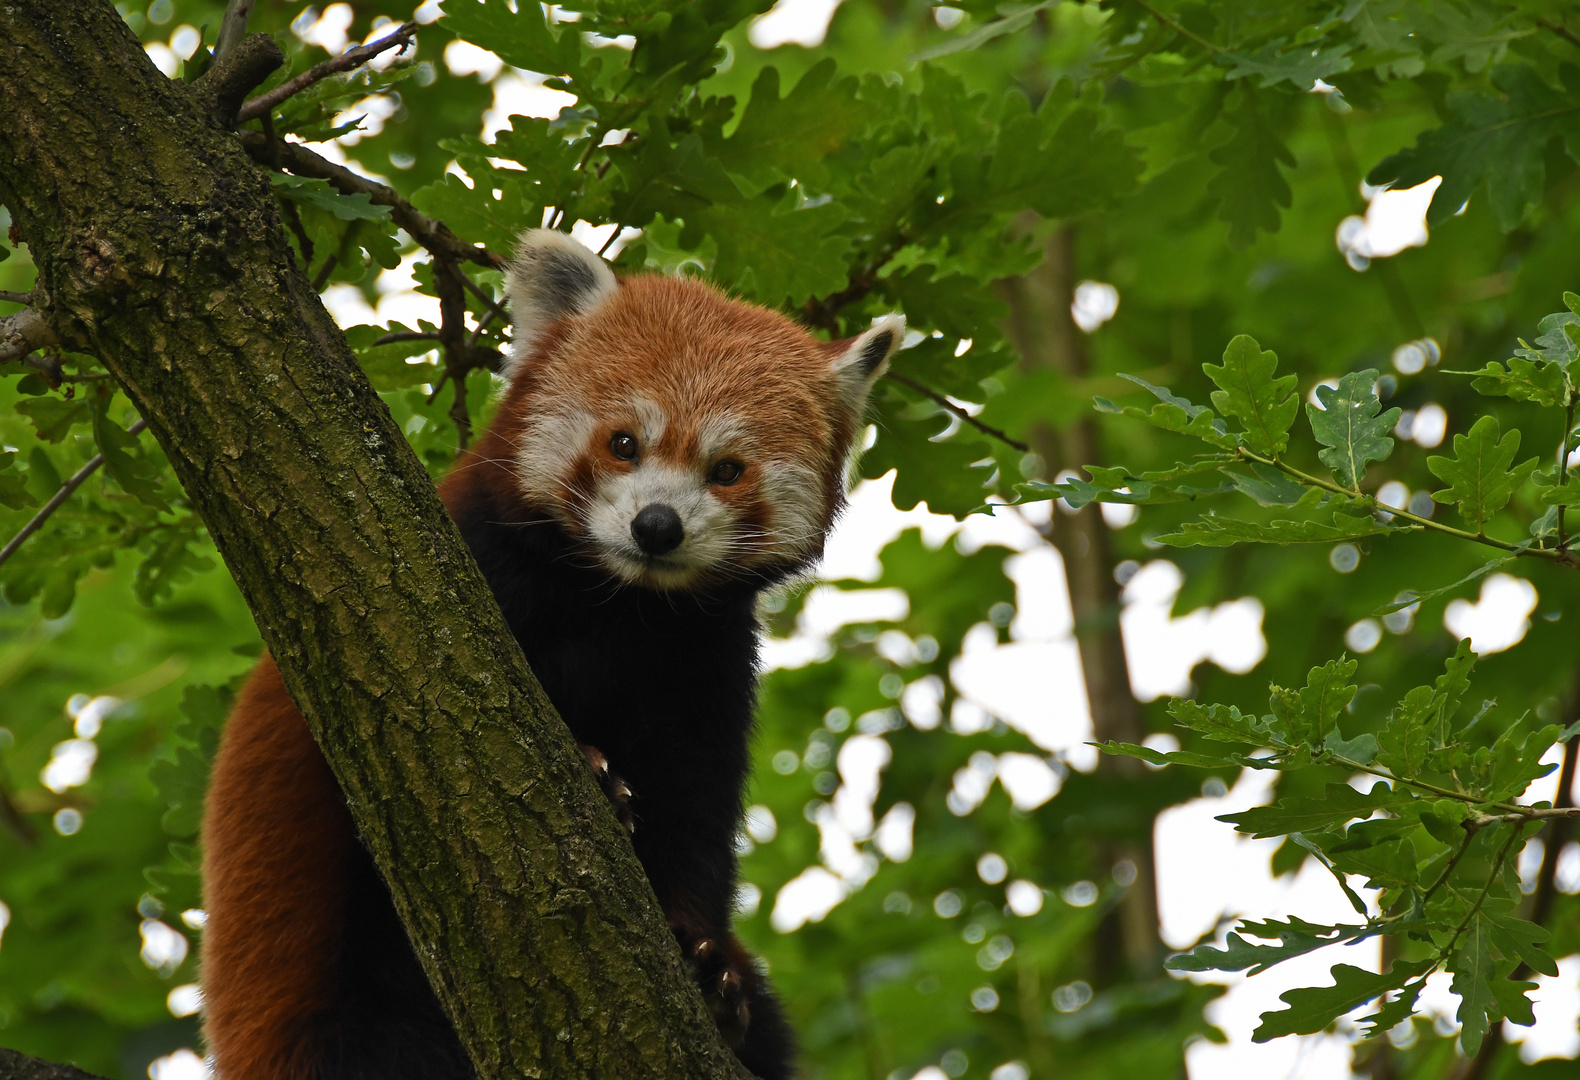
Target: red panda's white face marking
681 438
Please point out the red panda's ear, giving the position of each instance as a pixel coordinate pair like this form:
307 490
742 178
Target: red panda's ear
861 360
549 277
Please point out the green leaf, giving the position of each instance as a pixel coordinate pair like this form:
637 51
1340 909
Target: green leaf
1362 749
947 474
1409 596
1202 425
1554 343
1302 814
1016 17
1515 937
1061 163
389 367
137 475
1221 723
522 38
1171 757
1267 485
1523 380
1225 532
13 485
1479 476
1397 1010
1251 187
1167 396
1496 141
1452 686
1300 66
779 254
1312 1009
173 555
1116 485
1517 761
1513 996
1474 972
54 417
1404 740
319 193
789 138
1387 865
1349 426
1247 391
1296 937
1326 693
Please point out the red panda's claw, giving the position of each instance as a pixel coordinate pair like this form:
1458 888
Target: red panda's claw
616 790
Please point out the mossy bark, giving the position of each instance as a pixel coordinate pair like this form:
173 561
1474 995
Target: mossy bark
15 1066
160 251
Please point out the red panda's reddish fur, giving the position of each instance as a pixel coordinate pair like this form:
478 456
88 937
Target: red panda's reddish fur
278 840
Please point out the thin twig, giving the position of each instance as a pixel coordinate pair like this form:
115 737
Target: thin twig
1562 31
1563 464
15 297
1177 27
351 58
407 335
477 290
482 325
448 282
12 819
232 28
940 399
322 277
60 497
300 161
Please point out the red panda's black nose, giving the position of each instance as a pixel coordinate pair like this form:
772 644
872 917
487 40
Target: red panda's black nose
657 529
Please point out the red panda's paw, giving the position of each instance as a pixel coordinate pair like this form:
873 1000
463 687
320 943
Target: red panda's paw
723 984
614 788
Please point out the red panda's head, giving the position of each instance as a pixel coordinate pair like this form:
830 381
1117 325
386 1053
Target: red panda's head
679 437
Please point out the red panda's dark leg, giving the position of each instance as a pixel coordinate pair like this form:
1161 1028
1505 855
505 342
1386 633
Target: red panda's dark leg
278 849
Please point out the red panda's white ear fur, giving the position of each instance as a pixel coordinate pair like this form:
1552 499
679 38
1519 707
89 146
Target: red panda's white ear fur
550 276
859 366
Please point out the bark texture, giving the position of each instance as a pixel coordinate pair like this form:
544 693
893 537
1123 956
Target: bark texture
1046 336
15 1066
160 251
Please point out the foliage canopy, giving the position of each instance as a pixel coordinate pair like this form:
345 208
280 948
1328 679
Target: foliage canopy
1199 158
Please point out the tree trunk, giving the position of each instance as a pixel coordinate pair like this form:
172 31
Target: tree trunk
159 250
15 1066
1046 336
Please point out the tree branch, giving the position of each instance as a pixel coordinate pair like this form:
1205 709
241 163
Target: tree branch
15 1066
434 235
13 820
232 28
60 497
407 335
22 333
347 60
15 297
940 399
245 66
1561 30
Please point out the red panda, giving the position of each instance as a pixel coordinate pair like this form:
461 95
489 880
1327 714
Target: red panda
662 454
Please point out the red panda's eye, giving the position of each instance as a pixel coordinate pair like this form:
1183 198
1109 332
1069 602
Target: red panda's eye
623 446
726 473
